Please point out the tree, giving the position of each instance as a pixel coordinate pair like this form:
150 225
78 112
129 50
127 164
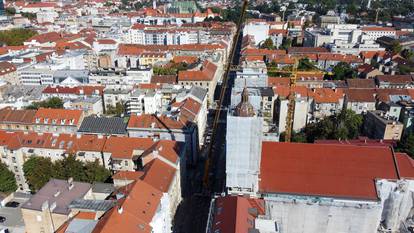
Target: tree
267 44
306 64
396 47
118 110
53 102
7 180
286 43
69 167
96 172
344 125
10 11
15 36
343 71
406 144
29 15
37 171
407 54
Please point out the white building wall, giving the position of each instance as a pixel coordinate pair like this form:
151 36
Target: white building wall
260 31
303 214
243 153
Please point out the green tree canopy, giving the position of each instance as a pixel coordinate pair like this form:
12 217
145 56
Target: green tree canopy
69 167
396 47
96 172
286 43
306 65
118 110
343 71
53 102
7 179
38 171
15 36
267 44
344 125
406 144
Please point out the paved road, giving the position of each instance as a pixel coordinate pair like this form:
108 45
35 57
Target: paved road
192 214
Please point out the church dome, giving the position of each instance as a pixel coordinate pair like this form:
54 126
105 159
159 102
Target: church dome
245 108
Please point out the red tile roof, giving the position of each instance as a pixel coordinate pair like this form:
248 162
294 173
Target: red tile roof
78 90
395 79
6 68
16 116
185 59
304 50
45 37
360 95
148 121
51 116
123 147
339 171
206 73
326 95
159 175
138 210
405 165
68 142
233 214
171 79
190 109
389 29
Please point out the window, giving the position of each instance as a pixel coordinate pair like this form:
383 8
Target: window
126 163
39 219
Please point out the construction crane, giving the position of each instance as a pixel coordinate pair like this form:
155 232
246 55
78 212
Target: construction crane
227 70
291 103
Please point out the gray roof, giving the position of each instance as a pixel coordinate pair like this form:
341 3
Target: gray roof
99 187
71 73
198 92
81 226
57 191
95 205
17 91
103 125
267 91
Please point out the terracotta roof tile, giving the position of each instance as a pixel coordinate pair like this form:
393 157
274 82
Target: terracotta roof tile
51 116
405 165
340 171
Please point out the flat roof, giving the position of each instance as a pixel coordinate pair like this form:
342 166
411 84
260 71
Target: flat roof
340 171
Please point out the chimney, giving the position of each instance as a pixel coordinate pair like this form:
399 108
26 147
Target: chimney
57 193
70 182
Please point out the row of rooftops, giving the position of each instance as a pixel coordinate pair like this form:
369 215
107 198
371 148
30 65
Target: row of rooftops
118 147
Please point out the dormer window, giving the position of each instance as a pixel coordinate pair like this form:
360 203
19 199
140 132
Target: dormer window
46 120
62 121
54 121
72 121
37 120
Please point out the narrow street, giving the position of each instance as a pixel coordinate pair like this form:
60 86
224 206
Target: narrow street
192 214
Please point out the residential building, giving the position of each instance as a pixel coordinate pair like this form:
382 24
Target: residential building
57 120
207 78
243 150
320 183
382 125
8 73
115 126
360 100
50 208
162 127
